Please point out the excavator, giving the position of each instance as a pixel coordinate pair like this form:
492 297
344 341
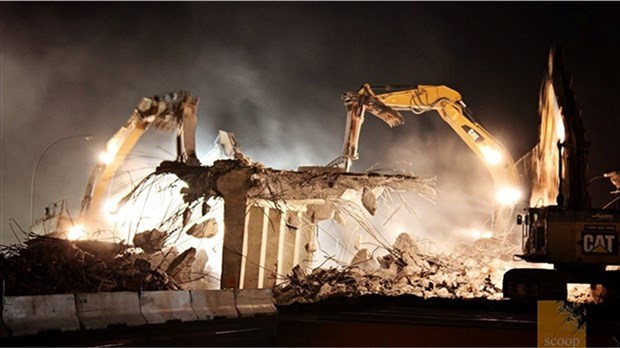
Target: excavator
580 243
578 240
385 102
168 112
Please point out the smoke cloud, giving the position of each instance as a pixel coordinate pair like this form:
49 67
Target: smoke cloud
272 73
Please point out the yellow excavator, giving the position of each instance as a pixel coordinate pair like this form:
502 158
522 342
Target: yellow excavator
578 240
169 112
385 102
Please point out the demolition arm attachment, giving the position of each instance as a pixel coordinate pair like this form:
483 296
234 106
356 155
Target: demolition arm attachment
170 112
420 99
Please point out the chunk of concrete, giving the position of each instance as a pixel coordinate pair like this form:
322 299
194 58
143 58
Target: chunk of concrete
369 201
204 229
364 260
150 241
293 222
320 212
404 242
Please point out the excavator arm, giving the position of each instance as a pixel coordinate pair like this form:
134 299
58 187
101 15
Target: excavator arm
173 111
447 102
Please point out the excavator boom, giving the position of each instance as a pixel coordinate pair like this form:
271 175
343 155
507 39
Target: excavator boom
172 111
420 99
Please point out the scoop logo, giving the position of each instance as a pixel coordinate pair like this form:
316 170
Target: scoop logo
595 242
561 325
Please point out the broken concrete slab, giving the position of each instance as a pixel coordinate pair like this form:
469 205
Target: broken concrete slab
365 261
180 268
320 212
259 182
369 201
204 229
150 241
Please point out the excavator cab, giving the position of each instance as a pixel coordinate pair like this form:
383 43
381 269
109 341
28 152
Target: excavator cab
578 243
593 236
532 234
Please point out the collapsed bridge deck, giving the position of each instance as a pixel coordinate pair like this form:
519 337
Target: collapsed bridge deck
270 215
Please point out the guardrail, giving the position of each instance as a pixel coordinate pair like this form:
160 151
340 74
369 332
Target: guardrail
30 315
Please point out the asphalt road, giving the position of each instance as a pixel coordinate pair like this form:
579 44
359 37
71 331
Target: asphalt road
252 332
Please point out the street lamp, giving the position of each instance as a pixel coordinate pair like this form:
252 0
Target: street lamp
86 137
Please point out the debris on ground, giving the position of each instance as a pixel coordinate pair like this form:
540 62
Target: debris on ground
585 293
44 265
404 270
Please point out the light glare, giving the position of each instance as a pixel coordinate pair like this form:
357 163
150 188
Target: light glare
477 234
105 157
559 127
76 232
508 195
110 206
492 156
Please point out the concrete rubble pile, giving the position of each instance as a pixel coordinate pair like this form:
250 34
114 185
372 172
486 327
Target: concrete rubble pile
406 269
45 265
585 293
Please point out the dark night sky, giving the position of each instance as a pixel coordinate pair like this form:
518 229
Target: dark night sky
273 73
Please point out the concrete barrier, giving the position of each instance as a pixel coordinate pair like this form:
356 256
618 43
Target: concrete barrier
28 315
162 306
200 305
251 302
100 310
4 332
209 304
